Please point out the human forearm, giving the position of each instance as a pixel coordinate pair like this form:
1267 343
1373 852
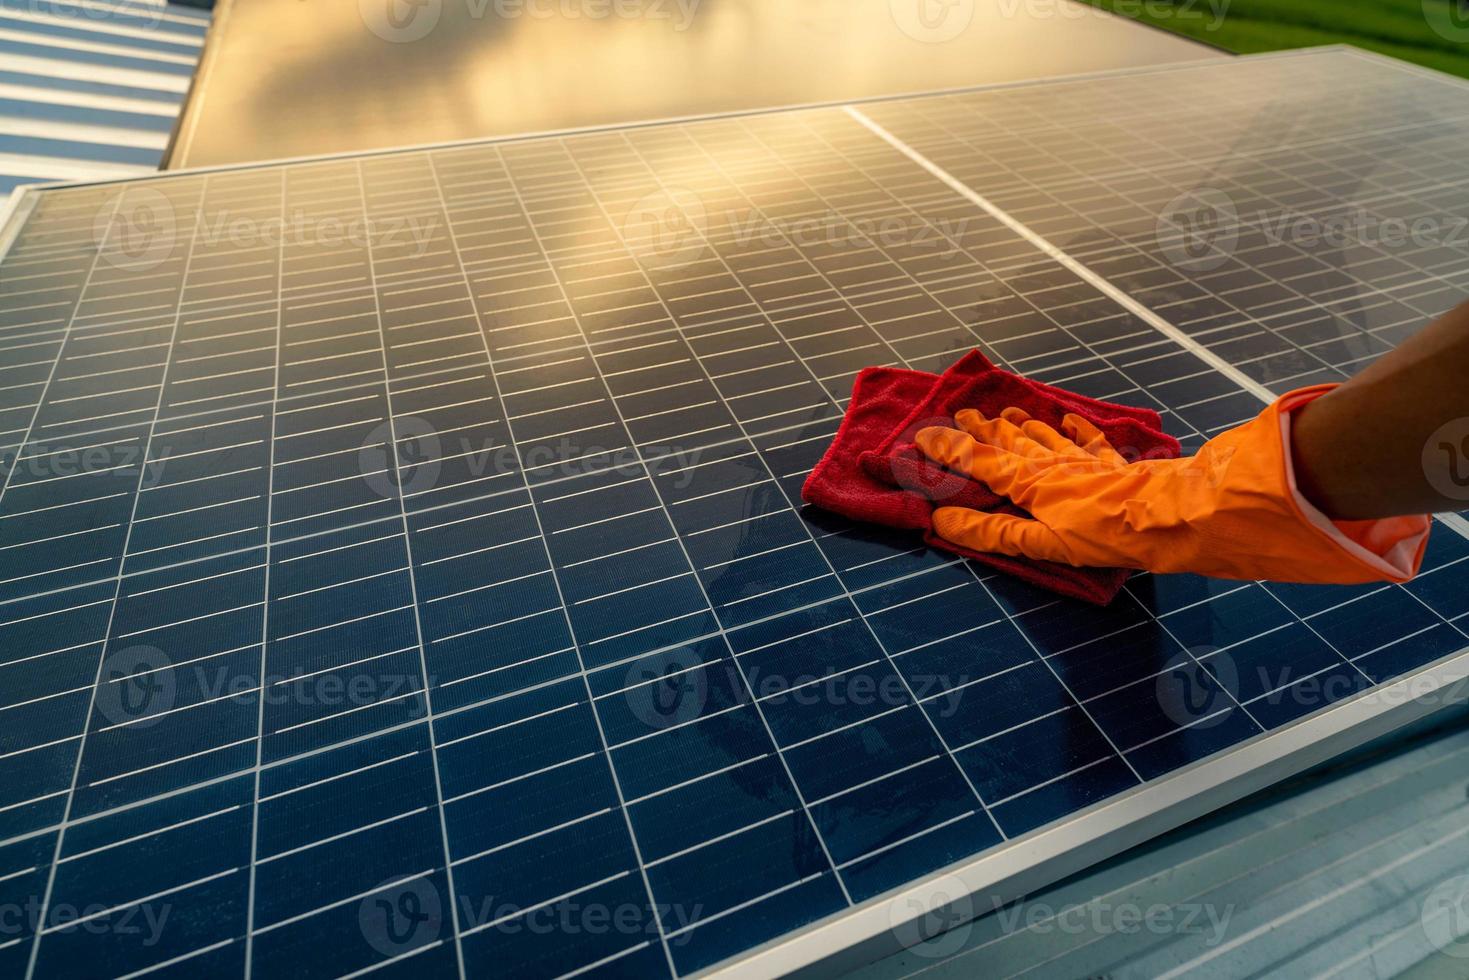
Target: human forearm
1359 451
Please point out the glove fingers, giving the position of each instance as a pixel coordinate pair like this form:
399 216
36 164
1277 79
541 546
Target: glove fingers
1048 438
1078 437
1000 533
961 452
999 432
1090 438
1016 432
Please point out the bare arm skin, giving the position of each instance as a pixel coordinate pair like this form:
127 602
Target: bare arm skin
1359 451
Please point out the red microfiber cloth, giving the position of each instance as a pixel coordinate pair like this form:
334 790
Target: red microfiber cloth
873 473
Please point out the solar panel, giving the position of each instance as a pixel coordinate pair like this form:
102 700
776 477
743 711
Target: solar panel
405 567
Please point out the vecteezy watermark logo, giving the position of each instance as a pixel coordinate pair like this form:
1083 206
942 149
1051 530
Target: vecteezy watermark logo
401 915
404 21
1446 459
569 917
1211 11
412 466
140 14
1445 917
935 923
670 692
142 231
1449 19
1347 228
139 234
137 685
141 925
1100 917
941 694
400 21
932 21
1191 695
665 229
1198 230
418 464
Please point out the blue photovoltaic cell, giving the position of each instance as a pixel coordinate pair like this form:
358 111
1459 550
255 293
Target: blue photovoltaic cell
404 563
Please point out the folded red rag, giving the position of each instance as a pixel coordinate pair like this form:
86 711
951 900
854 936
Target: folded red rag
873 473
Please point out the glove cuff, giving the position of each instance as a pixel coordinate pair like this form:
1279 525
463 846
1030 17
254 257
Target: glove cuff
1391 547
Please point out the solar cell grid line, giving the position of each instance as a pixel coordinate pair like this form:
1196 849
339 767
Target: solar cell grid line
87 720
865 615
669 313
1316 331
951 312
1247 93
1367 340
459 799
1259 166
418 636
127 610
1019 271
19 325
1084 709
966 338
1221 382
686 558
348 781
641 944
1352 661
221 624
1236 338
656 914
1349 667
55 687
967 334
277 351
995 341
38 463
826 341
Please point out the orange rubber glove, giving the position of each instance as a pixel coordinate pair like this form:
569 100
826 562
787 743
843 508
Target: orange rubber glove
1230 511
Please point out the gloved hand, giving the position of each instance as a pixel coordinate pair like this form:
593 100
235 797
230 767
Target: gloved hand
1230 511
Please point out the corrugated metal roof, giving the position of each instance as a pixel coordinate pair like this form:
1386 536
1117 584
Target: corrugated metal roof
1357 870
91 88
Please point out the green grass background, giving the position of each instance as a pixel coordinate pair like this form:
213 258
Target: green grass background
1395 27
